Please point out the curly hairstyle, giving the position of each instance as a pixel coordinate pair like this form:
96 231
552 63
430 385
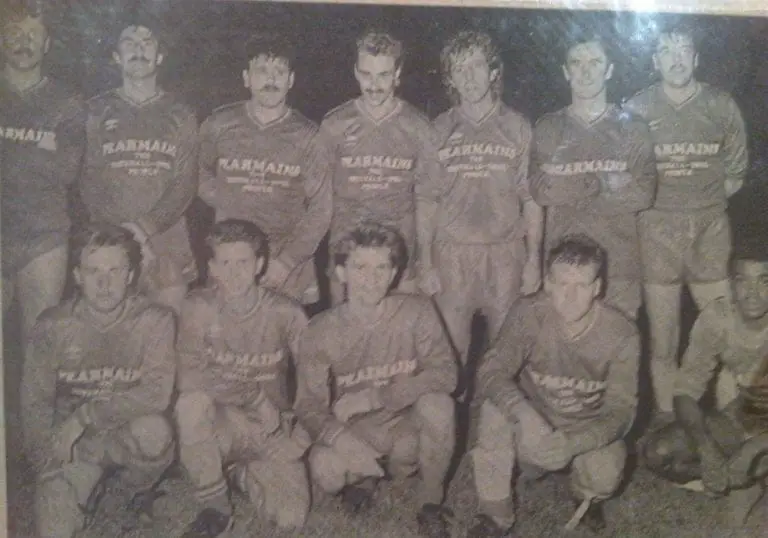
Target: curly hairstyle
457 47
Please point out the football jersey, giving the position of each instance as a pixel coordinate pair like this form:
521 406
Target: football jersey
378 165
720 338
698 145
141 164
591 378
571 168
236 357
109 375
275 175
485 176
42 140
405 354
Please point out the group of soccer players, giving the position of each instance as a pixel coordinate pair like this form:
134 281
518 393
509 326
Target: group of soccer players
429 222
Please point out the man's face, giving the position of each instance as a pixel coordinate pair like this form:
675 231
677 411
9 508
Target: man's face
234 267
137 53
573 289
750 288
675 59
269 80
471 75
104 275
24 43
377 76
587 69
368 274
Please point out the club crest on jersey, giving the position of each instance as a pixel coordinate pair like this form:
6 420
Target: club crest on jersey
110 125
351 134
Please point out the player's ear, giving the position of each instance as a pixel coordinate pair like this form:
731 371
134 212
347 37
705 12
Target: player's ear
213 268
291 79
609 72
341 273
696 60
77 276
655 59
159 58
260 261
565 73
47 45
597 287
116 57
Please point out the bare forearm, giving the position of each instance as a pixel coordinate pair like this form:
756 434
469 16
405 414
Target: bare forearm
533 214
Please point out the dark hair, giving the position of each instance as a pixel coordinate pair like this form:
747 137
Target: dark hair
13 12
751 248
140 19
579 250
239 231
371 234
461 44
272 46
580 36
678 28
100 235
378 42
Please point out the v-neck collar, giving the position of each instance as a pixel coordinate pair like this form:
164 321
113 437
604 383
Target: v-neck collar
493 111
262 126
678 106
158 95
591 123
394 112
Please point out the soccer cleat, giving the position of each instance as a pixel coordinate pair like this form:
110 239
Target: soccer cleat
433 521
140 511
486 527
594 518
210 523
358 497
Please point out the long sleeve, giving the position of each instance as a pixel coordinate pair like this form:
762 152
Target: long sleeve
313 398
70 137
638 193
192 364
735 148
619 404
548 188
179 194
316 221
207 163
436 361
700 360
501 364
38 394
153 393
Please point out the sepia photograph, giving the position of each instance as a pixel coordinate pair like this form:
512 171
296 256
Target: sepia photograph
441 269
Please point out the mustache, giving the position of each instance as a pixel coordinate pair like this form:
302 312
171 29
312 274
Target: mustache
270 88
24 50
139 59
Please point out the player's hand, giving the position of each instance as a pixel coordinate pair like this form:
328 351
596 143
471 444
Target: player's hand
147 254
531 278
714 469
356 403
614 181
553 451
277 273
267 414
64 440
429 281
360 457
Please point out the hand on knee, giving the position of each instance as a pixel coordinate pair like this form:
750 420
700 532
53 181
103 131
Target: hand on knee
327 469
436 409
153 434
195 413
599 473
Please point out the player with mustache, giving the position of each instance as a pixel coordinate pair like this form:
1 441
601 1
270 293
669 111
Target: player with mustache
141 163
383 152
701 156
260 161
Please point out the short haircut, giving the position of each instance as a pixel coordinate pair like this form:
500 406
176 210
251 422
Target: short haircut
381 43
463 43
273 46
238 231
100 235
580 36
578 250
371 235
678 29
753 248
14 12
144 20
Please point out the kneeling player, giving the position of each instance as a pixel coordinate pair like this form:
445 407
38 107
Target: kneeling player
559 389
393 371
726 449
97 381
235 343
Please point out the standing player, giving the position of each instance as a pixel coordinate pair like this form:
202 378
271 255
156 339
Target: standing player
392 369
701 155
559 389
473 220
382 152
259 161
42 137
715 446
235 343
141 163
593 168
97 380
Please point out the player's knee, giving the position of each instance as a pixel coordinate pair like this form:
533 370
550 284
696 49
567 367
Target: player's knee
293 513
438 410
56 508
405 450
153 434
600 472
194 412
327 469
662 447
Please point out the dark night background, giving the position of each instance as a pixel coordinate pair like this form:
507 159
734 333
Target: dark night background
203 65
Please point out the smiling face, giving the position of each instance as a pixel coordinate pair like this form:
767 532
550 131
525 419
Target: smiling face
269 79
587 70
368 274
138 53
24 43
676 59
234 267
750 288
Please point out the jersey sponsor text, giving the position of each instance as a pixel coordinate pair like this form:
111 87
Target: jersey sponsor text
377 373
584 167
